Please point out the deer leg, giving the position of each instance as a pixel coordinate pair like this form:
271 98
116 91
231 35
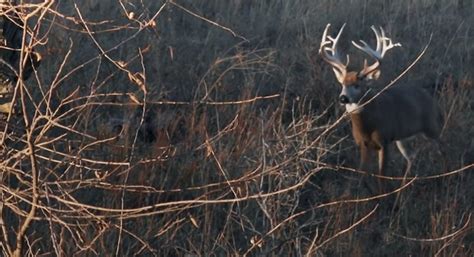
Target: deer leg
363 157
364 154
404 152
382 152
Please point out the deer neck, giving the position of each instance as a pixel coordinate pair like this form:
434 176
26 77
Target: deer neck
358 121
363 121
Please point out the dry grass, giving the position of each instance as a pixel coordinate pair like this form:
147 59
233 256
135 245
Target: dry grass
176 137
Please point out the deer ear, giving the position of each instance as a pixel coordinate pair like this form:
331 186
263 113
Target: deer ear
374 75
369 72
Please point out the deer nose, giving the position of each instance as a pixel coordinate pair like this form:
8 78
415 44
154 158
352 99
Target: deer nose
343 99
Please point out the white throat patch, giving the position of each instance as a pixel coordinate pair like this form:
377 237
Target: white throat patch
353 108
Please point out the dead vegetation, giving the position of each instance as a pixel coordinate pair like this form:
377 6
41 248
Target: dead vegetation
197 128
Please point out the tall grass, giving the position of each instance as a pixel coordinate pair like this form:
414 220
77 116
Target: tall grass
214 130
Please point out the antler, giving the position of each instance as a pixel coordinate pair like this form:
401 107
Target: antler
330 54
383 45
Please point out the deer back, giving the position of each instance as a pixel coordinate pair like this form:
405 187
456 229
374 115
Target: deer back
400 112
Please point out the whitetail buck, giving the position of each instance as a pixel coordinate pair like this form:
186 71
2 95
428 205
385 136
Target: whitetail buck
397 113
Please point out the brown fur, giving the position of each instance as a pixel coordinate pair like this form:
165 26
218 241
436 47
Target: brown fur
350 78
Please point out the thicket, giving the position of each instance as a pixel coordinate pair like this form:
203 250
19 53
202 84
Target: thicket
212 128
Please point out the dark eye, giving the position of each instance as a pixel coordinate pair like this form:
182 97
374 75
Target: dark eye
356 86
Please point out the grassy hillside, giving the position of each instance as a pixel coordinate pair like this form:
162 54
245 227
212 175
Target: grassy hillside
212 128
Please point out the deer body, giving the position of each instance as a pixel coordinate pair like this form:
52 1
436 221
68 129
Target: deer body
397 113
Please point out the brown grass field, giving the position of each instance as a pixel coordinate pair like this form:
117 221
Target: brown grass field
212 128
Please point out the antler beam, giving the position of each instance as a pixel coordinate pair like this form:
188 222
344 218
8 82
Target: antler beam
330 54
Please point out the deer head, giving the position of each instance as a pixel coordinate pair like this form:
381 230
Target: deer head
355 85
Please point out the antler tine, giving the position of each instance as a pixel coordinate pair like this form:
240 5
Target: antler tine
368 50
330 54
378 39
387 43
